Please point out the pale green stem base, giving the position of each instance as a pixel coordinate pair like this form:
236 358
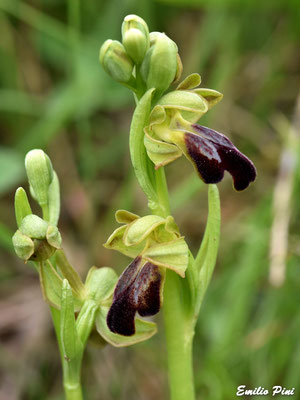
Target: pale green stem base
178 327
179 338
71 370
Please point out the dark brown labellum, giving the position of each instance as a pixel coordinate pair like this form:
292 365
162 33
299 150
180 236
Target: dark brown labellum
138 290
212 153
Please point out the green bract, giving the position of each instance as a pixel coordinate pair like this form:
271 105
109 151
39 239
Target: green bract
155 239
115 61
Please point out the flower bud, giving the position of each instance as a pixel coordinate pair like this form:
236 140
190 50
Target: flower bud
23 245
115 61
40 174
135 34
36 240
34 227
159 66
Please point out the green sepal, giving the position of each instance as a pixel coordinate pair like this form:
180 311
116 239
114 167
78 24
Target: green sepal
172 255
144 330
54 200
22 206
70 274
23 245
71 344
53 236
40 174
100 284
190 82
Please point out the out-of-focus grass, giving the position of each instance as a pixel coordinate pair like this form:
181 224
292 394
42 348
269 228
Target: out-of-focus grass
54 95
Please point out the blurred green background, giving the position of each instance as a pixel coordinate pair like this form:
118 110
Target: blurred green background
54 95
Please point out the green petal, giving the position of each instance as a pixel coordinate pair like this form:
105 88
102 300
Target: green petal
211 96
190 105
144 330
138 230
125 217
161 153
172 255
190 82
115 242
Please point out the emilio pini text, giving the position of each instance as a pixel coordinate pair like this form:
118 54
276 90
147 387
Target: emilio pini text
260 391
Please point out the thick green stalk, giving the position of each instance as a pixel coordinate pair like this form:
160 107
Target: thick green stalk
179 327
179 324
71 374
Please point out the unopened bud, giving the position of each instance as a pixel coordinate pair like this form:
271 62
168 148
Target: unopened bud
159 66
135 34
115 61
40 174
23 245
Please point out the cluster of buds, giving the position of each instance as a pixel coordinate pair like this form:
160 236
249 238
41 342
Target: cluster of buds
38 240
143 60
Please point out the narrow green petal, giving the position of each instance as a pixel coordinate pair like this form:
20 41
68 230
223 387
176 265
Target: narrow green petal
190 82
138 230
116 242
125 217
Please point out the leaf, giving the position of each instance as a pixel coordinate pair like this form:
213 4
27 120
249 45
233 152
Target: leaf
206 258
68 332
70 274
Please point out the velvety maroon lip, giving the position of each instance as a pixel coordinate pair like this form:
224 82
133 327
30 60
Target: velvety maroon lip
138 290
213 153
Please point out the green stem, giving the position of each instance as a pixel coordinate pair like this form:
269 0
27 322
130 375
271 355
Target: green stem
71 375
71 369
179 326
179 337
